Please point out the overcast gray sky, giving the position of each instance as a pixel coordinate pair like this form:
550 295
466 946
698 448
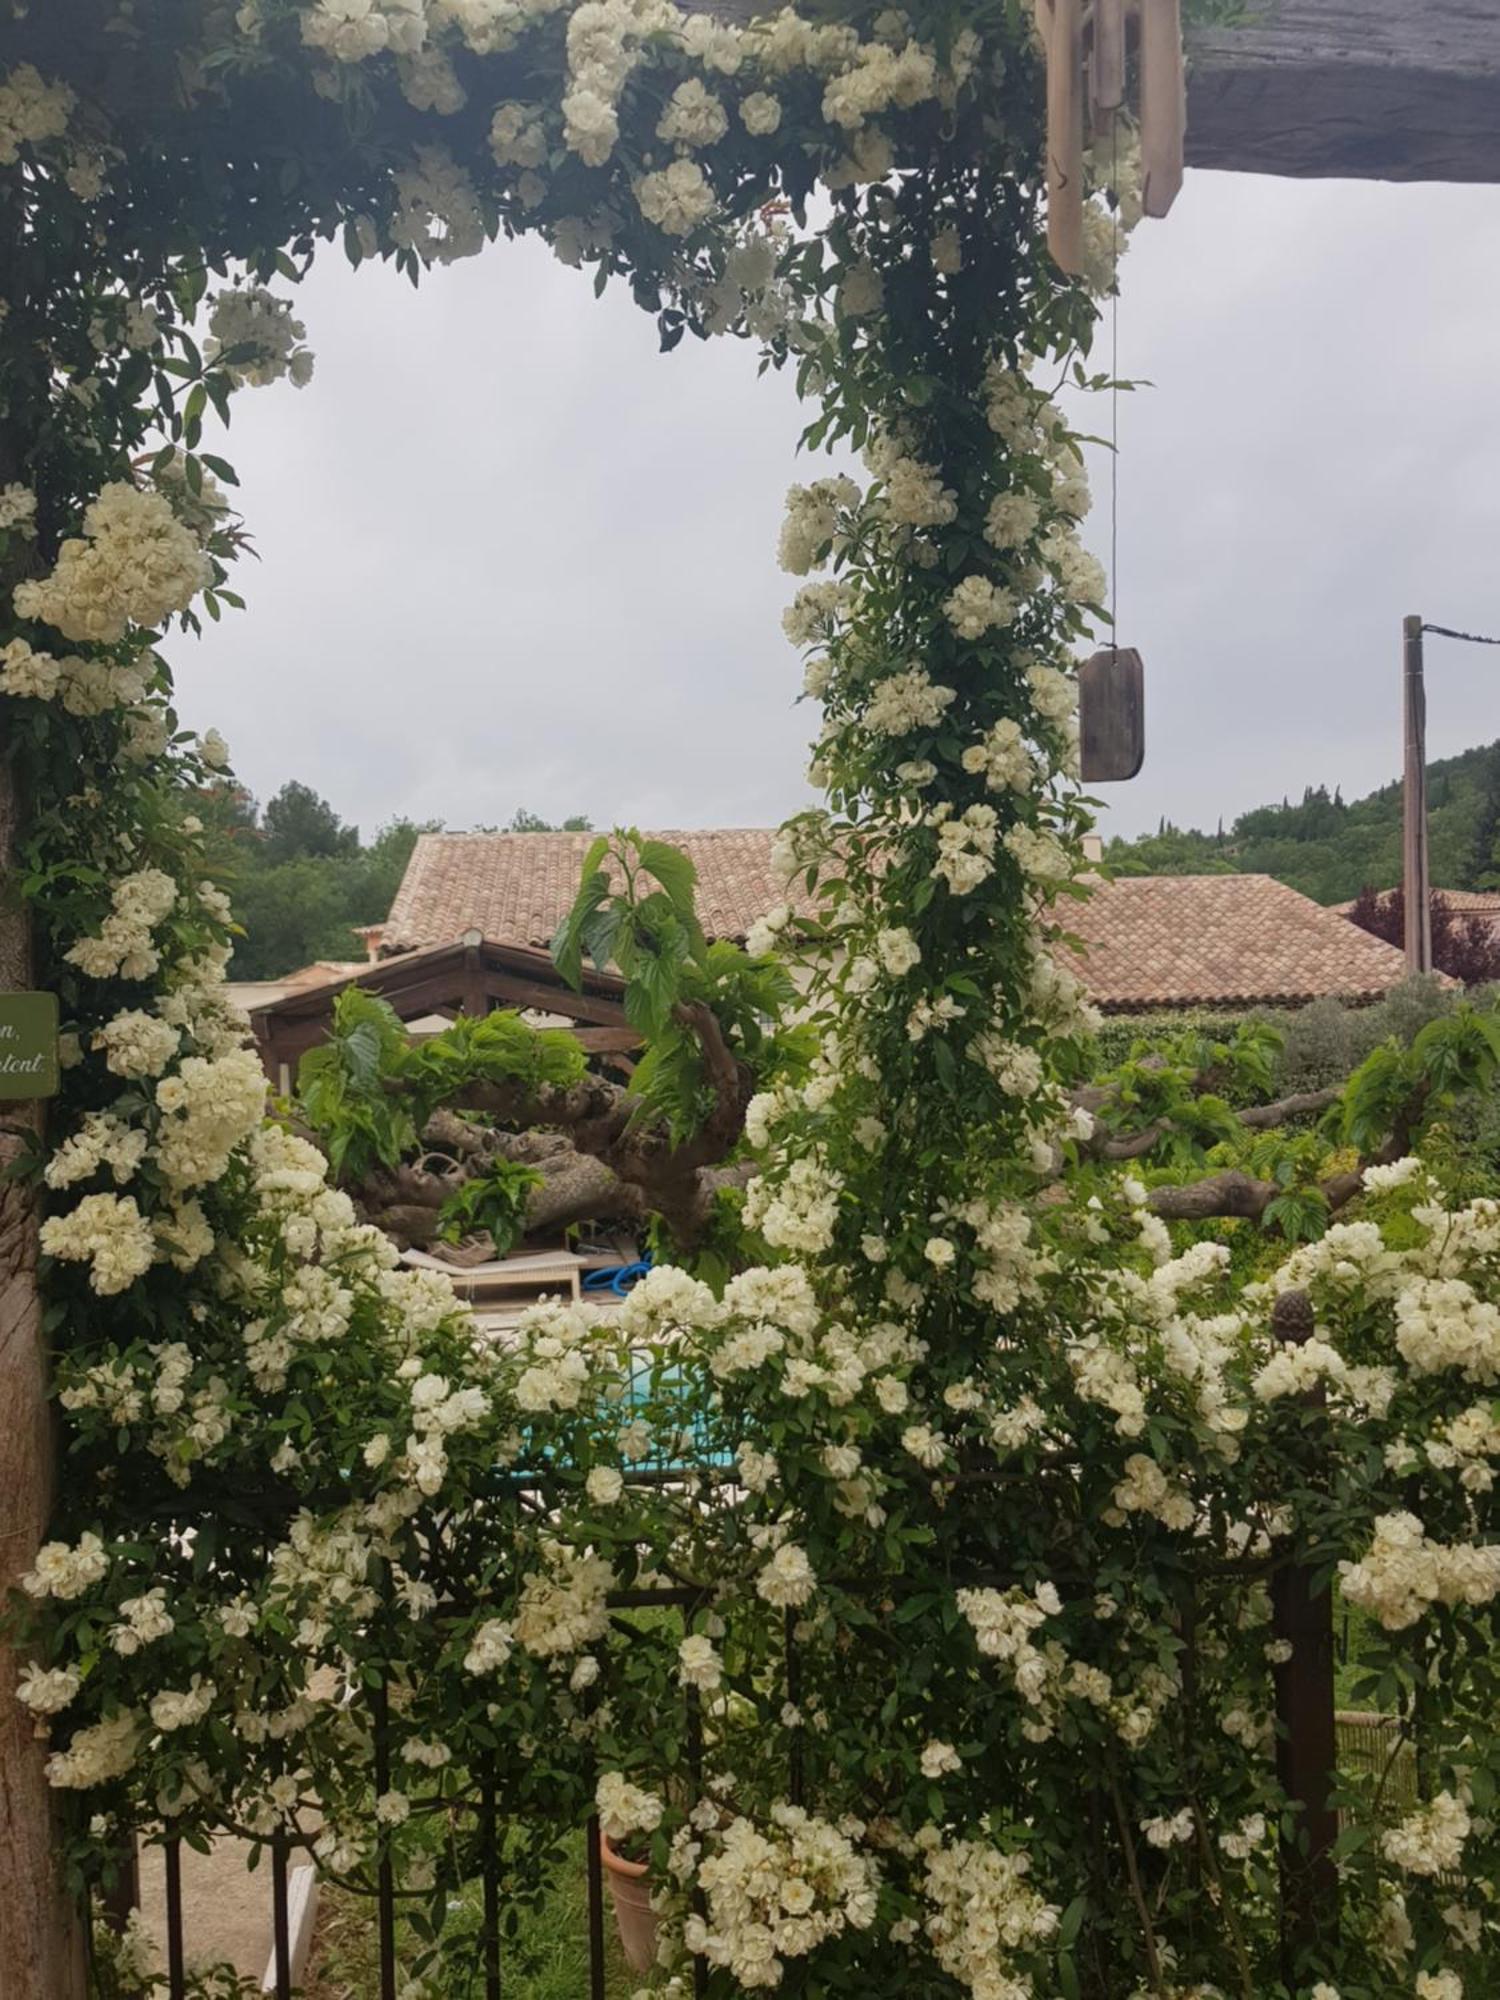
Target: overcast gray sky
514 556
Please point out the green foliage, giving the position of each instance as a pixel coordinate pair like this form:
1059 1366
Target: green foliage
522 820
1449 1058
546 1948
367 1490
1330 849
1484 847
494 1201
298 822
749 998
1119 1036
1189 1084
647 929
1320 1044
649 934
341 1087
1294 1162
1423 1058
368 1091
1325 1042
300 880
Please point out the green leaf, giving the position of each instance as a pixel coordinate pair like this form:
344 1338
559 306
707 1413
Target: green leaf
600 932
655 983
679 877
567 942
1072 1922
219 388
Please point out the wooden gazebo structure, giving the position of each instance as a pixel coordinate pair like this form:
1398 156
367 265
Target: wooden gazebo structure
475 976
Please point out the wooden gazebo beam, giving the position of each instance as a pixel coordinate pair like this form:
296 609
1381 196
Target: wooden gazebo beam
1398 90
1382 90
448 980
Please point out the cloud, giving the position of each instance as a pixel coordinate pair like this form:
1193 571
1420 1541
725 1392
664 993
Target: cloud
1319 454
513 555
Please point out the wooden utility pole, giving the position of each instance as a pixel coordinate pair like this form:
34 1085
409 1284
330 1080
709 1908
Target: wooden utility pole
1414 871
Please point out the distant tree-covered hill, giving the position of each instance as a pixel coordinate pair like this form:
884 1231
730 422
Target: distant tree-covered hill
1330 849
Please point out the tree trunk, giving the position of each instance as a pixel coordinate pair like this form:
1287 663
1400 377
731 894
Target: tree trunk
41 1939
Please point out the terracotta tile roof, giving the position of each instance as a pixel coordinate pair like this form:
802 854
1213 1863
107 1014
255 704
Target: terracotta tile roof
323 969
520 886
1462 902
1220 941
1152 941
262 992
1486 902
1473 902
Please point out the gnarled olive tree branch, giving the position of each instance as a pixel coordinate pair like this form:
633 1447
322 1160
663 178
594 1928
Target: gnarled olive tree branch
1254 1117
600 1157
1241 1196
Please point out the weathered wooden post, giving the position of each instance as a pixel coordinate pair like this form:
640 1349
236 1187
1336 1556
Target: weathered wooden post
41 1939
1307 1736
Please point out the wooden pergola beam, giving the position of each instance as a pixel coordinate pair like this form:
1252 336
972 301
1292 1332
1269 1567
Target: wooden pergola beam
449 980
1398 90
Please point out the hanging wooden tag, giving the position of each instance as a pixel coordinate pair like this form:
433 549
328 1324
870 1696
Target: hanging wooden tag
28 1045
1111 716
1163 104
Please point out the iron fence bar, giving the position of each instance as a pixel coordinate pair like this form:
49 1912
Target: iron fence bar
596 1910
642 1600
490 1877
694 1703
696 1595
1417 1706
1306 1701
385 1905
94 1914
280 1928
172 1870
119 1896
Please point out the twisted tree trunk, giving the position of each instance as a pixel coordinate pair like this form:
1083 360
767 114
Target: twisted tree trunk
575 1186
598 1160
41 1939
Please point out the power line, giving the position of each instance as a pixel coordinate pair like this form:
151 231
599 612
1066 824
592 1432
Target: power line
1470 638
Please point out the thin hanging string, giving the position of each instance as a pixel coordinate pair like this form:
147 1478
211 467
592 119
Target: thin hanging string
1469 638
1114 415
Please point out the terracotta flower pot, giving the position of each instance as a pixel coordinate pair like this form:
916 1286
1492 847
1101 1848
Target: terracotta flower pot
630 1892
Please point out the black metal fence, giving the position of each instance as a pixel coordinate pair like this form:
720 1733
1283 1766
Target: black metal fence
114 1905
1307 1759
1305 1706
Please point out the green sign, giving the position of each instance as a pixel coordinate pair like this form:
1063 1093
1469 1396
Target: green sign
28 1044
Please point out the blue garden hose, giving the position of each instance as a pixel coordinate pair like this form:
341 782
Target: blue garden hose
616 1278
